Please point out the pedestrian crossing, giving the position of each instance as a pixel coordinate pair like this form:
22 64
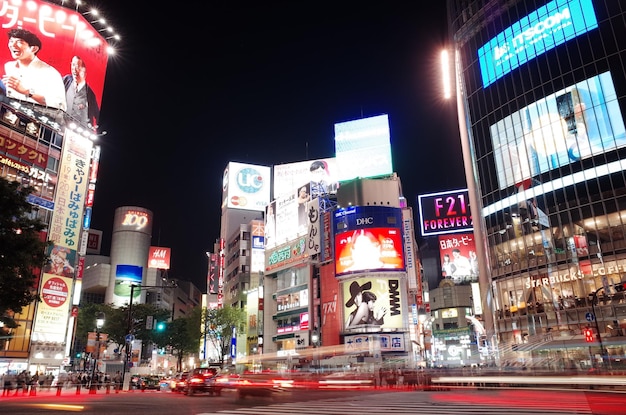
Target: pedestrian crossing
412 403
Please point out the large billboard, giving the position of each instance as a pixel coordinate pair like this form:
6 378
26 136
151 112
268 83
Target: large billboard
54 57
246 186
125 277
291 216
445 212
459 262
540 31
363 148
368 238
320 173
578 122
375 303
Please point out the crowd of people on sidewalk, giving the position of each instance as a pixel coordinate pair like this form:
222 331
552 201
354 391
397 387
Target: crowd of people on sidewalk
25 383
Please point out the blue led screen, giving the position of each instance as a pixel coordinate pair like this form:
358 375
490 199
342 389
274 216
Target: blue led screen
545 28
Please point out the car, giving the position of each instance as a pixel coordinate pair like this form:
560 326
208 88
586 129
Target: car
262 384
150 383
177 384
203 380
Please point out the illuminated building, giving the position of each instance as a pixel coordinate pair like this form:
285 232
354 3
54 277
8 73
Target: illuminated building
47 145
539 87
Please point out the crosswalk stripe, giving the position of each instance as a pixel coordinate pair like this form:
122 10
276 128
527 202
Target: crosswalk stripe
405 404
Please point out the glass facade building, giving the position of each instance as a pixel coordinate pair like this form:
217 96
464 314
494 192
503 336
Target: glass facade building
542 97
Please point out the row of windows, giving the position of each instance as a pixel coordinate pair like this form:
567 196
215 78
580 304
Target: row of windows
549 140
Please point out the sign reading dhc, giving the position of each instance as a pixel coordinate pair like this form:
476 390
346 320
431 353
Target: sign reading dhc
544 29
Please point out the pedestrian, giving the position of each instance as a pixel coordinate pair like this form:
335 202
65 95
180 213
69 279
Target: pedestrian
21 382
8 382
61 380
117 381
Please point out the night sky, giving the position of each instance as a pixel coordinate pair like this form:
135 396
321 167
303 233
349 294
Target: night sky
194 88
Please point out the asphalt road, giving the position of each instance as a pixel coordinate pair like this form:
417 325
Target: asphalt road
328 402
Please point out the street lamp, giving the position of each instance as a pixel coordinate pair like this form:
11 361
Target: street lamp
99 325
315 339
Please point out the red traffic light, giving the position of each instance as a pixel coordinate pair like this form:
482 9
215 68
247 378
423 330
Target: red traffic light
588 335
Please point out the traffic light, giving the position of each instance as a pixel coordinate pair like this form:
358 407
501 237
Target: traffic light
588 335
160 326
620 287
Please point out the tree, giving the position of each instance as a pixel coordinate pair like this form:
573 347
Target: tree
22 251
86 322
219 323
183 335
116 323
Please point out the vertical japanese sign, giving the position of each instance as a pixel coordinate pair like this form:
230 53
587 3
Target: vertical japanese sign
65 230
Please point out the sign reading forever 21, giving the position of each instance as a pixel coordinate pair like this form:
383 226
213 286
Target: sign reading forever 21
445 212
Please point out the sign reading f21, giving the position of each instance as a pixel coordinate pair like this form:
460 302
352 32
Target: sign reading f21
445 212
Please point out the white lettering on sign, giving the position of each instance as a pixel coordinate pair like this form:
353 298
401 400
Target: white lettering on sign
329 307
364 221
159 253
137 219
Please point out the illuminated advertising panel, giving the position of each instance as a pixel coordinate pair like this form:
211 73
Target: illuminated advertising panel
580 121
363 148
257 261
23 151
540 31
368 238
291 214
288 255
326 239
66 223
313 218
270 225
298 299
53 311
458 258
55 35
373 302
159 258
125 276
410 253
320 173
246 186
330 299
376 343
134 219
369 250
212 274
94 242
444 212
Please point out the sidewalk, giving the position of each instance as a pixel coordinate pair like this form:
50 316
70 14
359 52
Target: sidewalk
65 391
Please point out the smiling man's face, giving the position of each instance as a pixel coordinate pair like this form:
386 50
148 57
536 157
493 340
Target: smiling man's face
20 49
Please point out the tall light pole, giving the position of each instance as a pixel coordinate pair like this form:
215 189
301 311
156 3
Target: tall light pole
99 325
130 337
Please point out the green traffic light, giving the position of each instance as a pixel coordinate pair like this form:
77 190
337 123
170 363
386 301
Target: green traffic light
160 326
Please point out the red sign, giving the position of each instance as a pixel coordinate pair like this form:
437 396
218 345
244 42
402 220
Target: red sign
159 257
55 292
62 34
23 152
